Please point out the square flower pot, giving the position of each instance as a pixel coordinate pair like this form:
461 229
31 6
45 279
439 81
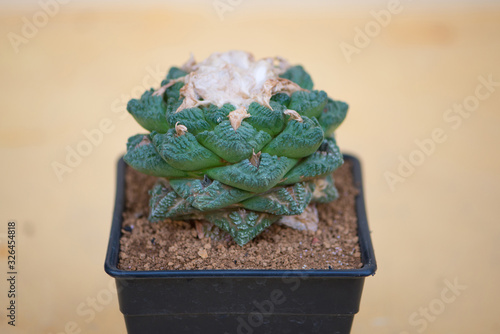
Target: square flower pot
240 301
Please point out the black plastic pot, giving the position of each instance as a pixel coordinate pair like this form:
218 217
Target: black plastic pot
239 301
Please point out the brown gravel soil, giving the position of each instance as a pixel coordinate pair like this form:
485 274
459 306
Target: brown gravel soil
174 245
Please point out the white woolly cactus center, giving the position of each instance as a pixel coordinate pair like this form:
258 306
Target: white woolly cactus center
233 77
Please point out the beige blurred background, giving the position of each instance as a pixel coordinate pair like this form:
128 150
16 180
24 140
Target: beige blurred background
435 221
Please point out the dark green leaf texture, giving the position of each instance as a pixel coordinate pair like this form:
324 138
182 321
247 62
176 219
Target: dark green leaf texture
309 104
184 152
241 224
332 116
234 145
243 175
149 111
280 201
298 139
142 156
298 75
324 161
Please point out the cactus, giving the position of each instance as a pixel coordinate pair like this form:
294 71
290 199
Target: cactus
236 142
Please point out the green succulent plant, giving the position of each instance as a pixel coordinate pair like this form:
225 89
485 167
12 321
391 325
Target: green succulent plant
239 165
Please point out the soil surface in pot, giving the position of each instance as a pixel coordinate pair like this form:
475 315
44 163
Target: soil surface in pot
175 245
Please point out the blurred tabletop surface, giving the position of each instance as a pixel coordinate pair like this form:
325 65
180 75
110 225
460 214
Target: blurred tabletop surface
423 85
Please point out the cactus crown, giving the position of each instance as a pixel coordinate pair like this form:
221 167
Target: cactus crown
236 141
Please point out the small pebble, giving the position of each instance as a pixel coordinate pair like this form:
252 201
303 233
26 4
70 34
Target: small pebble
316 242
203 253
